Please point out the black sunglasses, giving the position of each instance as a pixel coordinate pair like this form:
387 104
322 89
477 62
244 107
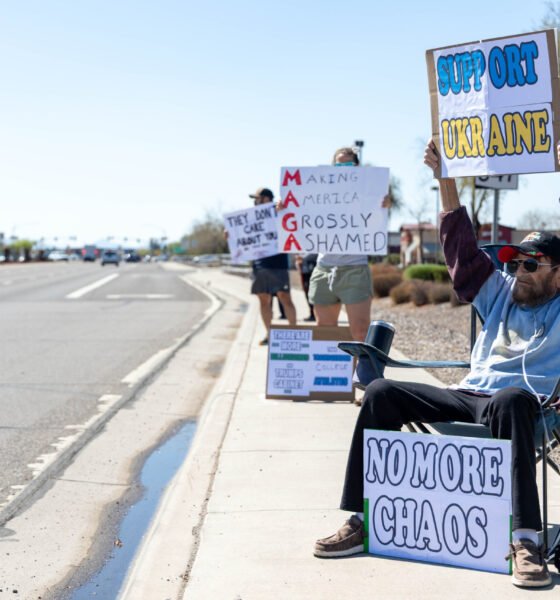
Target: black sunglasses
529 264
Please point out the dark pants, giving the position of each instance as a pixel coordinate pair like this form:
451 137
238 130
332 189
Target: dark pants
510 414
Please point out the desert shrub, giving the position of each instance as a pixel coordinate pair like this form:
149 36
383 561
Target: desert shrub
454 300
439 292
401 292
392 259
382 268
427 272
419 294
383 283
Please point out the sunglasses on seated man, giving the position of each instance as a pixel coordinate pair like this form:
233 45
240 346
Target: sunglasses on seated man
529 264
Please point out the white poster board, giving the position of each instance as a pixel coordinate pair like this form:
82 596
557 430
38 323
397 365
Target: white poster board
333 210
495 105
438 498
305 363
252 233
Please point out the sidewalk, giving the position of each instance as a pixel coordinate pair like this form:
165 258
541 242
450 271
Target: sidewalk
261 483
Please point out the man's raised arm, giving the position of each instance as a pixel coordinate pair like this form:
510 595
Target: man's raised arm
468 266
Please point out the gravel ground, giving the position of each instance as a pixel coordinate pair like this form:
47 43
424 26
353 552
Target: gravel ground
432 332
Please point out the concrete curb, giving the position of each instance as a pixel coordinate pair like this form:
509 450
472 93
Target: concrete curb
156 569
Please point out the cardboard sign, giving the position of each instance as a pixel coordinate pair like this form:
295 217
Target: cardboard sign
438 498
304 363
495 105
333 210
252 233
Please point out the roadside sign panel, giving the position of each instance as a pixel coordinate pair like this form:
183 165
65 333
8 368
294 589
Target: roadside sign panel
497 182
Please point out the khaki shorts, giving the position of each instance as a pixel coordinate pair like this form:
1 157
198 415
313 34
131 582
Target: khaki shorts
349 285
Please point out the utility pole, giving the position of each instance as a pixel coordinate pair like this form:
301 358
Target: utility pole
359 144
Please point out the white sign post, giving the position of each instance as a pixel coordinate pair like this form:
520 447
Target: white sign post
252 233
495 105
333 210
441 499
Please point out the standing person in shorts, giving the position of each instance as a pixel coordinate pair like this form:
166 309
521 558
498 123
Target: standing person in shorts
270 277
343 278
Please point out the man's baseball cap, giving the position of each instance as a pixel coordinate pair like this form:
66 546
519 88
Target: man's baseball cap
537 243
262 192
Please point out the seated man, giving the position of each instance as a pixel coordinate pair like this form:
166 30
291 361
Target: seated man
515 363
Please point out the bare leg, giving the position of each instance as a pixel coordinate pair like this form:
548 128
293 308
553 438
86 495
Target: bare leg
289 308
327 314
359 316
266 310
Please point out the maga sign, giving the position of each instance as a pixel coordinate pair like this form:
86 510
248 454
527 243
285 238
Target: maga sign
441 499
495 105
333 210
252 233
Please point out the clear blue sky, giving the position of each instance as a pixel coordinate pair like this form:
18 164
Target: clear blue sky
136 117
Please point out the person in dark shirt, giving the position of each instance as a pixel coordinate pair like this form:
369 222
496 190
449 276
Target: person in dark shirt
521 312
270 277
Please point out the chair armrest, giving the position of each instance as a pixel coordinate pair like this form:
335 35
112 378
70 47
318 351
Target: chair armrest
377 356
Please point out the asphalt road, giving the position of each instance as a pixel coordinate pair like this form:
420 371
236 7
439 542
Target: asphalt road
70 334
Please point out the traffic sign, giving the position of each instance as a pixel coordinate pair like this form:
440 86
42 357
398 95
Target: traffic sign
497 182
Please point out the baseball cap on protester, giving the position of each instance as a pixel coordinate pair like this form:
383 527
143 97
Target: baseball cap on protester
262 192
535 244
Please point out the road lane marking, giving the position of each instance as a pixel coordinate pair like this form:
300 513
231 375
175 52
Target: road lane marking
146 367
104 403
139 296
64 444
92 286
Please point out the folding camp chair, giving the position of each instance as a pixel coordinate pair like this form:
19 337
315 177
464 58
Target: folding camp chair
379 359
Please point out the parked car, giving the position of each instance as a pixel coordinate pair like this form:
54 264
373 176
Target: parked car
132 257
58 256
207 260
110 257
89 253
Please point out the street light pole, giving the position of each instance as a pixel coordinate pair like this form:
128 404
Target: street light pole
360 145
436 189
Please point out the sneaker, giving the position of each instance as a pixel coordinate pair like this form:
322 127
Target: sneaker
529 565
348 540
264 342
309 319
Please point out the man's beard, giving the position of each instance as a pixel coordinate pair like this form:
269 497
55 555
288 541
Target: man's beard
532 293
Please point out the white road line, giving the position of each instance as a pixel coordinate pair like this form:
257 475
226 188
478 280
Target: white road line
161 355
92 286
141 296
146 367
45 461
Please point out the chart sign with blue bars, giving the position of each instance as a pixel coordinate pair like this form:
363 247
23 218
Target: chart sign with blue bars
304 363
495 105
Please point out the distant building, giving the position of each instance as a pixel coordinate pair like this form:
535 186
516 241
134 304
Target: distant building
505 234
419 243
